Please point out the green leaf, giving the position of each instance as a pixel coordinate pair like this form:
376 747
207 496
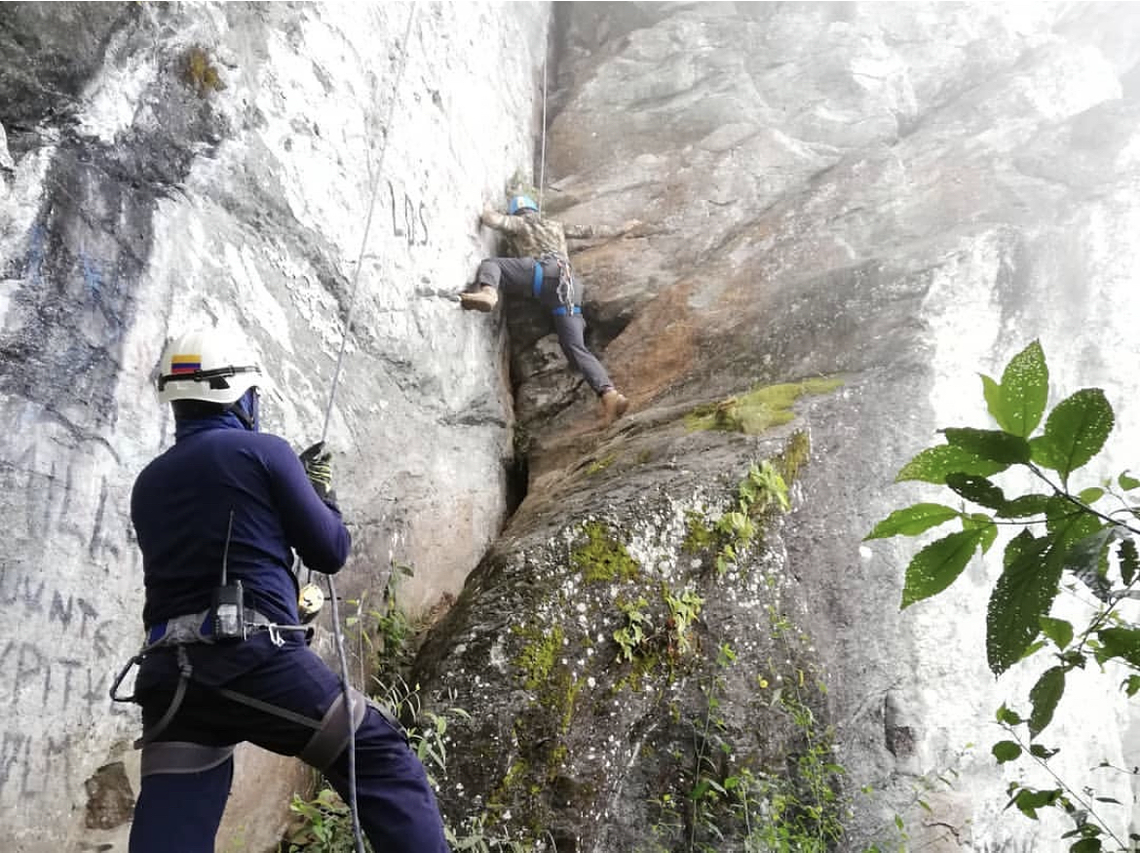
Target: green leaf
1006 750
1028 801
1074 432
995 445
976 489
1074 657
1024 391
1088 559
1119 642
992 393
913 520
1038 644
1069 523
1060 632
1007 716
1044 696
934 464
983 524
937 565
1021 597
1127 482
1087 844
1041 751
1028 505
1129 561
1132 685
1091 495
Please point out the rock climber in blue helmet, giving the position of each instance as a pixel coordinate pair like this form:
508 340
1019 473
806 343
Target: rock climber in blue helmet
537 265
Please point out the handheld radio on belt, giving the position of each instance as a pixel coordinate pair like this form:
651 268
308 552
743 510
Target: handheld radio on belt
227 607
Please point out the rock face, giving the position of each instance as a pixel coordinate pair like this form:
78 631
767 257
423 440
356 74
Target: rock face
217 164
846 211
892 196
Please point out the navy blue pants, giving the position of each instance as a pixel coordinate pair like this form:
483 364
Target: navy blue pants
181 812
515 277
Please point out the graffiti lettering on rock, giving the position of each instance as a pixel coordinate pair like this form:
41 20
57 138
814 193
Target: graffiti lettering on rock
411 223
29 765
40 680
73 614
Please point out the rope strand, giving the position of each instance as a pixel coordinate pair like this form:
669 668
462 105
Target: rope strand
338 634
542 159
368 220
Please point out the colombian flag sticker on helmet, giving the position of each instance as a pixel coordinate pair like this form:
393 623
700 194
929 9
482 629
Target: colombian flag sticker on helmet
185 363
208 365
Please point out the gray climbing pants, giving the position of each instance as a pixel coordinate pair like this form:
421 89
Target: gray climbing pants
515 277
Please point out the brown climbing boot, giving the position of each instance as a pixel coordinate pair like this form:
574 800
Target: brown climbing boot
614 403
483 300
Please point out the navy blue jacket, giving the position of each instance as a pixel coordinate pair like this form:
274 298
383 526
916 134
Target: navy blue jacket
181 506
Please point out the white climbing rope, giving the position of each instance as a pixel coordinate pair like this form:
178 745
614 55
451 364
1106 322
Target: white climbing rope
542 158
368 221
338 634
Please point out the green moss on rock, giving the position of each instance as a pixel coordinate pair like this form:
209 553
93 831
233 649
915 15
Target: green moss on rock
759 409
538 657
698 534
603 558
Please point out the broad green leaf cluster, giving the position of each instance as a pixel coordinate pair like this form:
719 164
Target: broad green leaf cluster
1064 533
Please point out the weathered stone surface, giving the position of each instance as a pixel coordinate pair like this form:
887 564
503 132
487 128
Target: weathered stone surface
215 163
110 799
892 195
897 195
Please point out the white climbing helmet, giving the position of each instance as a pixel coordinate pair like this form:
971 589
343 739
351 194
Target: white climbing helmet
208 365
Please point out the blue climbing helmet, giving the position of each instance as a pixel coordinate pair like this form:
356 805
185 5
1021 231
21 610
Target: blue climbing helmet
519 204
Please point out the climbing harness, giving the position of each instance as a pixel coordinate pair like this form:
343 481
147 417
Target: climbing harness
330 732
199 629
228 619
566 290
196 629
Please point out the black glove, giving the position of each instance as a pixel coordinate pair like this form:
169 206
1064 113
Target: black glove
318 466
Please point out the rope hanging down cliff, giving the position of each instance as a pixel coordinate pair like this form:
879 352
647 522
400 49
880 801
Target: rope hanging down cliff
542 156
338 634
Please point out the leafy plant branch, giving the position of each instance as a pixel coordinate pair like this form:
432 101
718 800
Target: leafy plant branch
1028 799
1079 541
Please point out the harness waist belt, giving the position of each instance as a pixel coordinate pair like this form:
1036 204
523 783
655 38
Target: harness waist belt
198 629
574 310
